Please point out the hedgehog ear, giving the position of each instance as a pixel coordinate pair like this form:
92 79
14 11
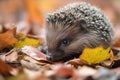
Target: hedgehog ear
82 24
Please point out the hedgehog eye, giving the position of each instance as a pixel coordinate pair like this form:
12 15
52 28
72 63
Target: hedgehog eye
65 42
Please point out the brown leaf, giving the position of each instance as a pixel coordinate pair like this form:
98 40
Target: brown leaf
33 64
116 50
105 74
77 62
64 71
6 69
32 60
7 38
115 64
33 52
29 65
12 57
32 74
106 64
86 71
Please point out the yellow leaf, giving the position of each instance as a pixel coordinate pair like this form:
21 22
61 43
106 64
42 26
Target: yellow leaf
28 42
95 55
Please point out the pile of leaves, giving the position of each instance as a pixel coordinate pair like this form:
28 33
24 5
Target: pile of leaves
21 59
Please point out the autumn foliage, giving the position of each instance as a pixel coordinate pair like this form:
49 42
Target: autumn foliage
8 38
21 53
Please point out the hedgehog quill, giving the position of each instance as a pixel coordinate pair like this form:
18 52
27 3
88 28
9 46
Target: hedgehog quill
72 28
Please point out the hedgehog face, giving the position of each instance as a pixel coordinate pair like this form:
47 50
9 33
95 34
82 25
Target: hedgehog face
64 43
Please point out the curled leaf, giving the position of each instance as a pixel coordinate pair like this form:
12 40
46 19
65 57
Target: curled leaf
33 52
115 64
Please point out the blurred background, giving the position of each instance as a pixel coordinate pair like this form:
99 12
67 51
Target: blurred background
29 15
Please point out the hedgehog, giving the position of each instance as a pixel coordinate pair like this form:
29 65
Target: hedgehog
72 28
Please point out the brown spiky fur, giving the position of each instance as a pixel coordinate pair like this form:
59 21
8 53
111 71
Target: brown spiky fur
80 32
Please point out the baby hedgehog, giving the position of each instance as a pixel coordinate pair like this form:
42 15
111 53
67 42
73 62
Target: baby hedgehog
72 28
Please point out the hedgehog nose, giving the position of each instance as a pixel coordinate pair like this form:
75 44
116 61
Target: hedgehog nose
49 57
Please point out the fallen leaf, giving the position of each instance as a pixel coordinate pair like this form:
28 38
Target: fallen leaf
106 63
64 72
115 63
86 71
35 56
105 74
7 38
5 69
42 61
27 42
33 52
32 74
95 55
116 51
11 57
77 62
30 65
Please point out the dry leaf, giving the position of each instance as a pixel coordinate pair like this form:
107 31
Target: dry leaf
33 52
105 74
42 61
64 72
27 42
77 62
32 74
12 57
5 69
86 71
34 56
106 64
115 63
30 65
7 38
95 55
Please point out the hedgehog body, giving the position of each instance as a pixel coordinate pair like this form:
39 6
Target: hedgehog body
66 20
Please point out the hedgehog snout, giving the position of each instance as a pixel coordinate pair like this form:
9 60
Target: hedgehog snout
48 57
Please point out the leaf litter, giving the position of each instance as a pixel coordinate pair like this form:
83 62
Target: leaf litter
21 59
27 62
